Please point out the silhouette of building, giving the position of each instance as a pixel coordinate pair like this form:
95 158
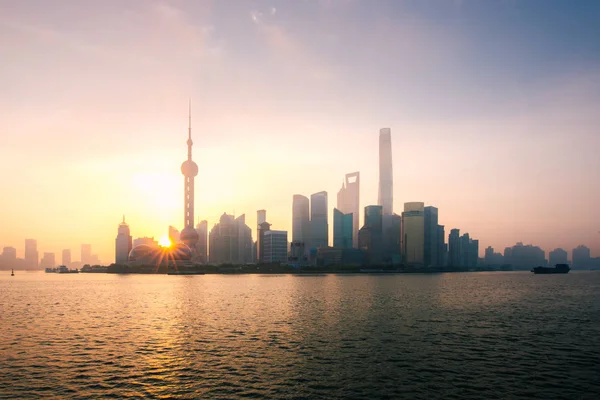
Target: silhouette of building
31 253
581 257
123 243
558 256
431 239
386 180
149 241
174 235
9 253
263 227
413 233
493 259
66 257
48 261
442 247
86 254
202 244
348 202
454 250
275 247
189 169
391 237
525 257
342 229
319 220
261 216
370 235
230 241
300 228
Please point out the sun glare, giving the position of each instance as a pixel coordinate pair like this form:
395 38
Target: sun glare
165 241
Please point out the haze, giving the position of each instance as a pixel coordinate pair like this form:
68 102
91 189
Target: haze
494 109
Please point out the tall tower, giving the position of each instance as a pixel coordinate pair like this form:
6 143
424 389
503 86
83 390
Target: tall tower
123 243
386 180
348 199
189 169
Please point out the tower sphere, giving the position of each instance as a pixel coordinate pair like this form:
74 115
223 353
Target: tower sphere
189 168
189 236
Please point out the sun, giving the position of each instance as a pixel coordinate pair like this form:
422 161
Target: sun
165 241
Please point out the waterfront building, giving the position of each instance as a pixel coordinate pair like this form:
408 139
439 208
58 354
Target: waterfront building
581 257
386 181
275 246
525 257
442 260
86 254
202 244
391 236
454 250
31 253
123 243
431 246
48 261
413 233
558 256
300 227
348 202
370 235
319 236
263 228
189 169
230 241
342 229
66 257
9 253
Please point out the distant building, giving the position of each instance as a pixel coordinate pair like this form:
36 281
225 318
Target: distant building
442 260
386 179
492 258
261 216
145 240
558 256
342 229
370 235
300 228
86 254
48 261
348 202
525 257
174 235
275 247
9 253
454 249
202 244
413 231
66 258
391 239
31 253
431 245
123 243
319 220
581 257
263 228
230 241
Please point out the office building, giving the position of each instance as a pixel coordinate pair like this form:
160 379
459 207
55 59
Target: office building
66 258
431 246
581 257
348 202
263 228
454 250
370 239
9 254
319 236
391 226
48 261
300 227
202 244
123 243
275 247
230 241
558 256
31 253
386 180
413 233
86 254
342 229
442 260
525 257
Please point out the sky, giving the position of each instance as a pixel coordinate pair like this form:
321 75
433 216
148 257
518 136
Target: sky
493 105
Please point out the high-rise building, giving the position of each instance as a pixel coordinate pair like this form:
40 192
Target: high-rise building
9 253
432 247
230 241
86 254
319 236
386 179
442 247
454 250
348 202
66 257
202 245
275 247
370 235
523 257
48 261
123 243
581 257
391 238
342 229
558 256
413 233
263 228
174 235
261 216
31 253
189 169
300 225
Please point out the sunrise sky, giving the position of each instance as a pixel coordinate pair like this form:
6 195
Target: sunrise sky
494 108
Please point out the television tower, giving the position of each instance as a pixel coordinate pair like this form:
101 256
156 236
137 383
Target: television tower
189 169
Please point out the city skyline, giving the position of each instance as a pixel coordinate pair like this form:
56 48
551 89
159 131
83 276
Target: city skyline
507 155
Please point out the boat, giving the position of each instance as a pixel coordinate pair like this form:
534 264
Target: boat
558 269
51 270
64 270
12 273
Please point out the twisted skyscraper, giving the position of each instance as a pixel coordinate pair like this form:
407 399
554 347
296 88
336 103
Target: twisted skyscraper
386 180
189 169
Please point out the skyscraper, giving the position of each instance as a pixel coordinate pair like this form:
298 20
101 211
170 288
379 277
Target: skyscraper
348 202
86 253
318 220
370 235
275 247
454 249
343 229
391 238
300 219
48 261
66 257
189 169
386 180
202 245
558 256
431 236
123 243
31 253
231 241
413 233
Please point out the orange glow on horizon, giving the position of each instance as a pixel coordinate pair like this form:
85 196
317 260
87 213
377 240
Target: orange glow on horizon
165 241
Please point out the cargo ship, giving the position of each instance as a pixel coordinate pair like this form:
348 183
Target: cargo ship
558 269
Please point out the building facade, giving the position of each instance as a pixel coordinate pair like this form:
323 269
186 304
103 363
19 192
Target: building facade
319 224
123 243
386 179
300 226
413 233
66 258
230 241
275 247
202 244
558 256
348 202
343 229
31 253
